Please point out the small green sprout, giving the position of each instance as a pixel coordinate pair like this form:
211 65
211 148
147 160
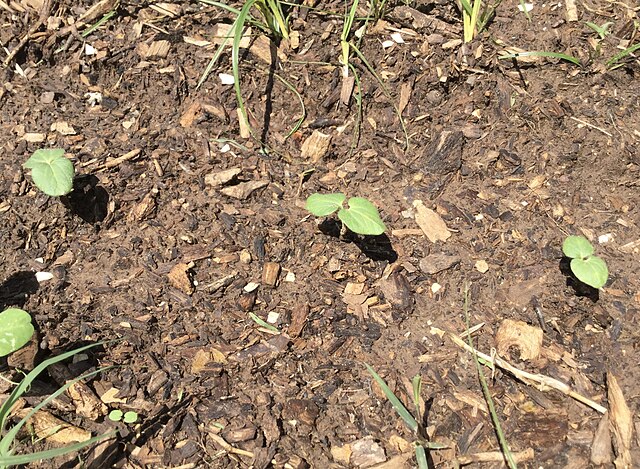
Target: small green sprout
15 330
601 31
52 173
127 417
589 269
361 217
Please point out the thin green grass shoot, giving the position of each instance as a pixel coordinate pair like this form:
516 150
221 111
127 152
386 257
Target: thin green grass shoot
358 97
612 62
421 444
303 116
7 458
554 55
263 323
386 92
504 445
344 38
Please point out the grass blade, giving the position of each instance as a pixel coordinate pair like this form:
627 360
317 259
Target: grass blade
235 58
304 109
623 54
51 453
555 55
504 445
386 92
421 457
263 323
395 402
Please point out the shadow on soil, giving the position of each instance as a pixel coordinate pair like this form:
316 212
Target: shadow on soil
580 289
88 199
376 248
15 290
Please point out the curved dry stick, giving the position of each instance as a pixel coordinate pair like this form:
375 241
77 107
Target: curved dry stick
542 382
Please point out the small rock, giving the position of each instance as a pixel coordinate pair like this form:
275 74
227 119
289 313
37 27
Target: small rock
482 266
367 452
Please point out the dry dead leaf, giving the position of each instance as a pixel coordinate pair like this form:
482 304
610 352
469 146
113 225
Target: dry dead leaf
54 430
527 338
432 224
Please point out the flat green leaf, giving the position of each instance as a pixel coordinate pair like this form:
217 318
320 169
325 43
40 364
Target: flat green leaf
362 217
322 205
130 417
15 330
52 173
577 247
115 415
593 271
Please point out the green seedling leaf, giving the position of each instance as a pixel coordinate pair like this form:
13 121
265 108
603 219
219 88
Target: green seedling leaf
15 330
115 415
399 407
362 217
52 173
130 417
593 271
322 205
263 323
577 247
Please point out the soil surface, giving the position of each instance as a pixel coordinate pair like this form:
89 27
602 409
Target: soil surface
180 233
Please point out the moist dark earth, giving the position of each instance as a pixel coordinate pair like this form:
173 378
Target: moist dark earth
161 251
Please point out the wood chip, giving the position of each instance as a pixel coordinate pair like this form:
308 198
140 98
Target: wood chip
46 426
432 224
270 273
621 421
179 278
601 450
526 338
244 189
315 147
221 177
434 263
85 401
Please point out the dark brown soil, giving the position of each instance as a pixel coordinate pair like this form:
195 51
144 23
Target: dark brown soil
514 156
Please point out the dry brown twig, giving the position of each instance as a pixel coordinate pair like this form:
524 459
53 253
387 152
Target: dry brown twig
542 382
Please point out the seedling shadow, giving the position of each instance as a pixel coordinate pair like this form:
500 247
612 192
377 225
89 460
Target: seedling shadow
376 248
88 200
15 290
579 288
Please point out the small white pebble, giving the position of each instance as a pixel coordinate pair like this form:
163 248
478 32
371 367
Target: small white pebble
251 286
273 317
435 288
226 79
397 37
43 276
605 238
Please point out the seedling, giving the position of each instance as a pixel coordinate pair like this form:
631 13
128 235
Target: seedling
15 330
52 173
421 443
601 31
127 417
361 217
8 435
587 268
